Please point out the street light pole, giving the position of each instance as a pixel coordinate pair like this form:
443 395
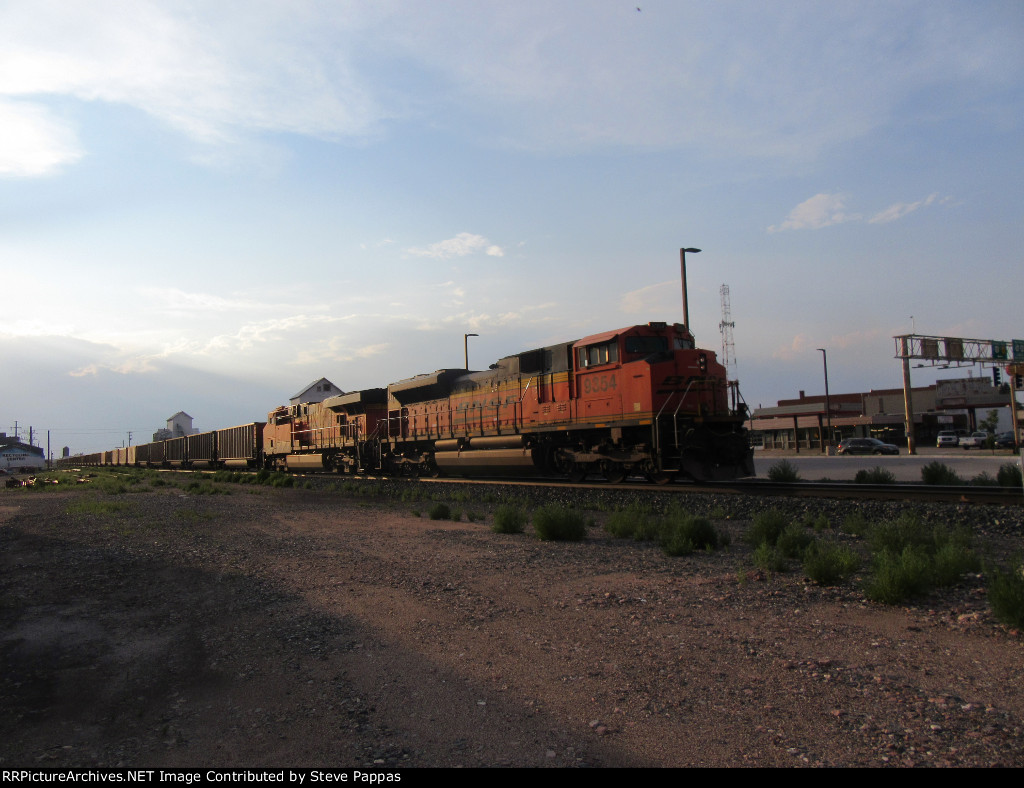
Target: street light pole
682 275
828 403
465 346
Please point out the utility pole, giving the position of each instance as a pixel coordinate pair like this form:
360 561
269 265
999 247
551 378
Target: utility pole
465 346
828 402
682 275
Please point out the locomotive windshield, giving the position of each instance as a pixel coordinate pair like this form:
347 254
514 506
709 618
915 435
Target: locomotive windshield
646 345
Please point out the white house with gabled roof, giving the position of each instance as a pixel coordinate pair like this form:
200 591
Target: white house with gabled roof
317 391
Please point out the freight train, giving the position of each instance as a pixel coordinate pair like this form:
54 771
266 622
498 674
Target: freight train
637 401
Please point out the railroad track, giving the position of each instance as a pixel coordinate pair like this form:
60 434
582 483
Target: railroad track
1001 496
900 491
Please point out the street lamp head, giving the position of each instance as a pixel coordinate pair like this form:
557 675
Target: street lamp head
691 251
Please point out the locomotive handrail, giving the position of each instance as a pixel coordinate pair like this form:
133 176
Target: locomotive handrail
675 413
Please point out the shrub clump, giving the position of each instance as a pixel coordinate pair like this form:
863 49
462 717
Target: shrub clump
909 559
877 475
554 523
509 519
769 558
766 528
1006 593
684 534
939 473
440 511
1008 475
783 471
632 523
898 576
830 563
793 541
855 524
818 522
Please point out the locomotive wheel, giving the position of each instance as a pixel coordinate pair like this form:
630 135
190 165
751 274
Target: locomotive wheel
577 473
614 472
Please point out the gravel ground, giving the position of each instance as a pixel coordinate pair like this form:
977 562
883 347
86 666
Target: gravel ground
287 627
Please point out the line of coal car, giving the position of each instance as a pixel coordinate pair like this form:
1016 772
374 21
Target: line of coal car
641 400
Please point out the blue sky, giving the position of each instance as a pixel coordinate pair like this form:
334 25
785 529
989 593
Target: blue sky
205 206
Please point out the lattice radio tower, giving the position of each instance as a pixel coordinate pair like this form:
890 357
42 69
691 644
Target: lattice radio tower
726 327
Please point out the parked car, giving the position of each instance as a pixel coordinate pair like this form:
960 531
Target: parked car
976 440
947 438
866 446
1004 440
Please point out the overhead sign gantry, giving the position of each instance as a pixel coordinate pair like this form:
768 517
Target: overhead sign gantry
946 352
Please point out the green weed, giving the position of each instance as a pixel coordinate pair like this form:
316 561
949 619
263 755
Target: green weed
633 523
683 535
783 471
766 527
1008 475
899 576
1006 593
509 519
768 558
876 475
829 563
559 523
439 511
855 524
939 473
793 541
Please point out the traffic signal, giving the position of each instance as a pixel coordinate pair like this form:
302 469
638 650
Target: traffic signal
997 377
1018 382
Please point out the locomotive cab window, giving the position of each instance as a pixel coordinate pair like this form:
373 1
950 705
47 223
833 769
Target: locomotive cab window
592 356
645 346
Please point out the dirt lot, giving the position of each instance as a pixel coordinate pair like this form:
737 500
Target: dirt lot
304 628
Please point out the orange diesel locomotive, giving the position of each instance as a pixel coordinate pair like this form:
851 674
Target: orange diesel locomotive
641 400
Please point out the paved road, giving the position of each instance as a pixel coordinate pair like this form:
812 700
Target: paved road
813 466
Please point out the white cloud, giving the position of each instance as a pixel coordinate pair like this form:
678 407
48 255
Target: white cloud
214 73
336 349
647 299
132 365
773 81
262 331
821 210
800 346
461 245
178 300
901 209
33 141
825 210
